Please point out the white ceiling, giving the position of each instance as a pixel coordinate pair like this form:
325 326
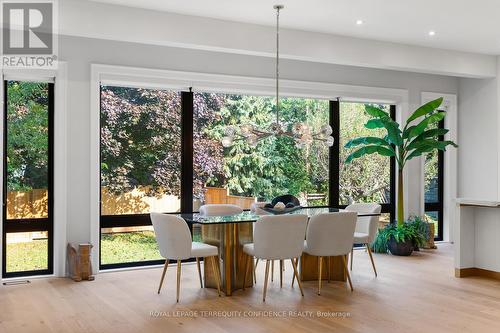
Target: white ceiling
463 25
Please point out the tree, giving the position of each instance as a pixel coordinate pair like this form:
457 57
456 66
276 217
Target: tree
404 144
27 135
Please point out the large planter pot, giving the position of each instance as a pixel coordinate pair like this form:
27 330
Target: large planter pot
401 248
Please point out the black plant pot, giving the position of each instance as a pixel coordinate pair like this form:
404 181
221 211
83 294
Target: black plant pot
400 248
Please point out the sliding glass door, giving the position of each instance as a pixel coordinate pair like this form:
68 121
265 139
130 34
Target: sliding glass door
27 179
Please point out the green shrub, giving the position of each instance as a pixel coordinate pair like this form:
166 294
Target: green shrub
415 229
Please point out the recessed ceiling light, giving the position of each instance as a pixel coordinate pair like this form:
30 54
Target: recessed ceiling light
432 33
359 22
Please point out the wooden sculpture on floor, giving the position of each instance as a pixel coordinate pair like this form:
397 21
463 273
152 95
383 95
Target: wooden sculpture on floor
79 263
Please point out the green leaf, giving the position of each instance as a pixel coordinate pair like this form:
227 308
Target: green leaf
367 140
392 127
436 132
367 150
425 109
426 146
374 124
414 131
376 112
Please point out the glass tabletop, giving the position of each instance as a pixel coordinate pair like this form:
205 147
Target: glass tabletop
248 216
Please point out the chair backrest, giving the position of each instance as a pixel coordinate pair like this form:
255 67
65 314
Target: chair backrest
279 236
172 235
331 234
220 209
366 224
287 198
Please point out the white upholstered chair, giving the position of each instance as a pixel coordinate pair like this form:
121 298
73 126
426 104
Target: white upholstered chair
175 243
277 237
220 209
328 235
366 227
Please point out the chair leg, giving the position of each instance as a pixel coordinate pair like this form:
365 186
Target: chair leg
247 259
281 273
255 271
347 272
216 272
371 258
352 256
163 274
296 263
265 281
199 271
320 271
178 278
297 275
272 270
328 267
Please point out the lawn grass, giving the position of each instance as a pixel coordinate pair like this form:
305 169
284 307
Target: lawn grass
27 256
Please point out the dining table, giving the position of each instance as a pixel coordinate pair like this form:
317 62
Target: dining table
230 232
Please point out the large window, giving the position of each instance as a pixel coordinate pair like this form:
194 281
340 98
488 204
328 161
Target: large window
140 169
27 179
161 151
370 178
433 188
242 174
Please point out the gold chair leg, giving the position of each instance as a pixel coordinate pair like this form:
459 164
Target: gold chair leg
265 281
255 271
297 275
320 266
328 267
163 274
281 273
216 272
247 259
293 275
371 258
199 271
272 270
178 278
352 256
347 272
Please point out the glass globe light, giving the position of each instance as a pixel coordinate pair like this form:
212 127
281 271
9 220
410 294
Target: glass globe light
327 130
230 131
252 140
246 129
227 141
330 141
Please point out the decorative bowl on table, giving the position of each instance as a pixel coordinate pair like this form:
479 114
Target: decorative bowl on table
280 208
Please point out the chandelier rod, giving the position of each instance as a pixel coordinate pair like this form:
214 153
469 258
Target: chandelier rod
278 8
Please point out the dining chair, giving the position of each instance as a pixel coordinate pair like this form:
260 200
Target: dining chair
175 243
220 209
366 227
277 237
328 235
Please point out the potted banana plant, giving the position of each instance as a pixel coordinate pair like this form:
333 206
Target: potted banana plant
418 136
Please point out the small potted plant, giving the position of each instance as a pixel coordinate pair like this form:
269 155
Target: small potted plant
404 144
398 239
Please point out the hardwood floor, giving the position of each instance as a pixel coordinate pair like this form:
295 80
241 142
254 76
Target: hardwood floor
415 294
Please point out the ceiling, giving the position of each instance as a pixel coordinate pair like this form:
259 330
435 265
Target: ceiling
464 25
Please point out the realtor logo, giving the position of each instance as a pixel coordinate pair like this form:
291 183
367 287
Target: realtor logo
28 34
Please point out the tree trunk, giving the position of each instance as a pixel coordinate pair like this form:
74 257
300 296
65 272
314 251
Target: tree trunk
400 206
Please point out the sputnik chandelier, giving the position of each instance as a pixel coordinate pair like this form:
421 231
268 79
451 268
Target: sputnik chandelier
300 132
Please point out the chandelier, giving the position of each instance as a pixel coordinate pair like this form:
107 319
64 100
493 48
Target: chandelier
300 132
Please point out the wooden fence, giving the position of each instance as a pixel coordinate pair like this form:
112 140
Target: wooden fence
222 196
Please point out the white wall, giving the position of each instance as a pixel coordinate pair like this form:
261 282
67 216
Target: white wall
478 138
81 52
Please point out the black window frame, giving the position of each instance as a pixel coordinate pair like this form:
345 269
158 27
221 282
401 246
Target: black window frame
30 224
186 200
334 175
439 205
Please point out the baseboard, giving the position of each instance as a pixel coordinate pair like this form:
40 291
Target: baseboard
473 271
